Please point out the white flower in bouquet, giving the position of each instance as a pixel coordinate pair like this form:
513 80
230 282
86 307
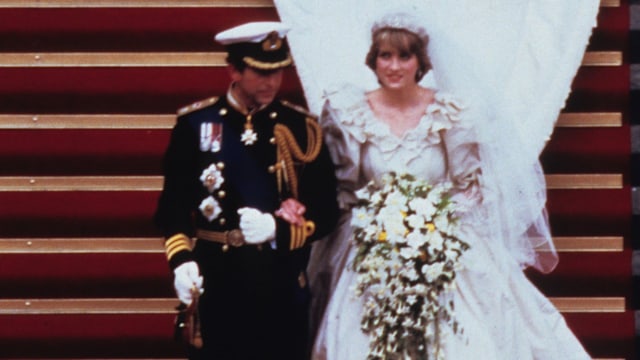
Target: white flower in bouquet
423 207
432 271
410 273
436 241
376 199
361 217
442 223
392 220
396 200
408 252
416 240
416 221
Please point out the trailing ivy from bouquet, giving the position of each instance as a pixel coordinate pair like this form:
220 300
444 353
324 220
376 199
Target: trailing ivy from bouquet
408 249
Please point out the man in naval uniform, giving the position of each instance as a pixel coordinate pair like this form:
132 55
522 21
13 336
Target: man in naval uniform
249 178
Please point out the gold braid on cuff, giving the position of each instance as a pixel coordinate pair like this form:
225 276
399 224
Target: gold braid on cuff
299 234
175 244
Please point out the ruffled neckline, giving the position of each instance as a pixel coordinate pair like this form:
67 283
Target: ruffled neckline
356 116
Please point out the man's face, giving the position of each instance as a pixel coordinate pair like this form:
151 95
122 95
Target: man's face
256 87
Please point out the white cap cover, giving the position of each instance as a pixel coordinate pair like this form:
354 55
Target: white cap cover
253 32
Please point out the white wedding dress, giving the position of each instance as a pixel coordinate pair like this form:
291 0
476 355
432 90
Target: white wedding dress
511 63
503 315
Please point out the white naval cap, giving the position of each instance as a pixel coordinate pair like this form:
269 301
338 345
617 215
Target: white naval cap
260 45
253 32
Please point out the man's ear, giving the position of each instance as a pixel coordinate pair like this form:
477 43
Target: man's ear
234 73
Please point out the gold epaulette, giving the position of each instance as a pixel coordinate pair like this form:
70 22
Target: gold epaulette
197 105
299 109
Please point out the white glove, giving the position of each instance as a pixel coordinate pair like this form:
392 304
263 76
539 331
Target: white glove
187 276
257 227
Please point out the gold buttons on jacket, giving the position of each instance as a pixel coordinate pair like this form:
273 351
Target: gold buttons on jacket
220 165
223 112
273 115
272 140
222 194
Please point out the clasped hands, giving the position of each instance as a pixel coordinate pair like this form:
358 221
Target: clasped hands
257 228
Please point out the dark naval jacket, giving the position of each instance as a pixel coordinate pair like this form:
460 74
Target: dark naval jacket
220 159
250 174
208 136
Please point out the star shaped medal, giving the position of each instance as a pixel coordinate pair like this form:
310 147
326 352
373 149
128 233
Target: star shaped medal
248 137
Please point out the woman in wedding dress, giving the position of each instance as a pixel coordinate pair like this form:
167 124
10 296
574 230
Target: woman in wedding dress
408 128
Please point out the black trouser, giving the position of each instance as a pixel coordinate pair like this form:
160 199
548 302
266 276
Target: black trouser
254 306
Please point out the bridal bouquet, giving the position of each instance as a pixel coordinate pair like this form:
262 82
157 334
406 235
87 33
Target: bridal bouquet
408 250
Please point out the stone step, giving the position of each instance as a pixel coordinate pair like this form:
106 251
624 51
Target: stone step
162 3
137 245
184 59
167 306
154 183
166 121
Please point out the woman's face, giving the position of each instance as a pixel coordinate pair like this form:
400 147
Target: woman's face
396 68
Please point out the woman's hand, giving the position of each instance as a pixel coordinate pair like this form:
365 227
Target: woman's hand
292 211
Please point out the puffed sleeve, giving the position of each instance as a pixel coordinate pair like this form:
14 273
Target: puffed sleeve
344 143
345 148
463 160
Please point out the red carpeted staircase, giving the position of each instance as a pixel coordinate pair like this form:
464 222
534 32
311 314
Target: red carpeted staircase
593 139
88 90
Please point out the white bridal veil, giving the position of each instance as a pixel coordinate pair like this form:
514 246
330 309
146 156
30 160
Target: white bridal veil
511 62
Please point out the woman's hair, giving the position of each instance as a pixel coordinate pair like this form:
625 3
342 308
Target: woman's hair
402 40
